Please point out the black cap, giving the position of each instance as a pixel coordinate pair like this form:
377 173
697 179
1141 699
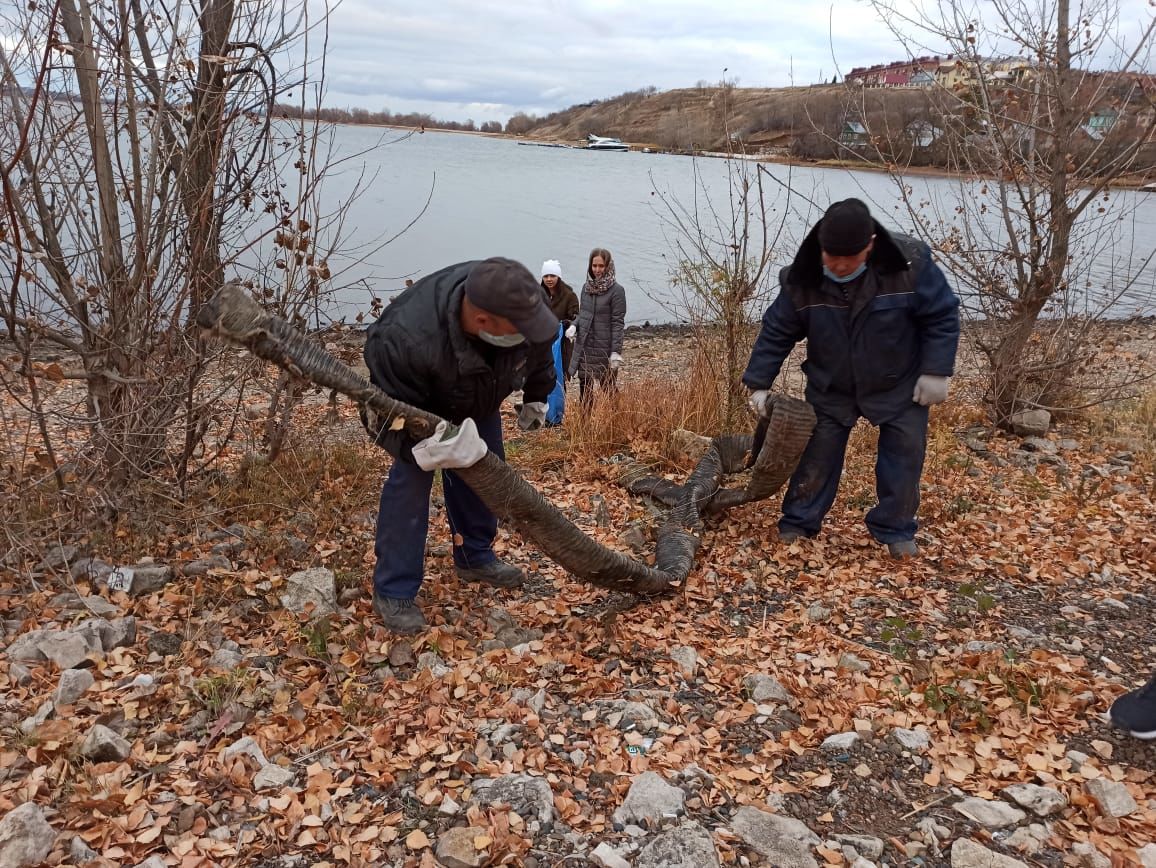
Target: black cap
506 288
846 228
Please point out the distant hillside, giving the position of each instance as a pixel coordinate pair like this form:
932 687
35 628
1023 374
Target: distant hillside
802 121
910 126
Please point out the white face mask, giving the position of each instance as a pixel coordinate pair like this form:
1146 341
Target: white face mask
501 340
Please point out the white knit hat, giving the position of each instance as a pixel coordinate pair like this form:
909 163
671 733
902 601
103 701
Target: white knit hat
552 266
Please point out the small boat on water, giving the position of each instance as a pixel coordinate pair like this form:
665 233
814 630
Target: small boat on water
1149 188
605 143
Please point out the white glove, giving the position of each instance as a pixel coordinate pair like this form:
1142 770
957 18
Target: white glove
758 401
615 361
571 332
451 449
930 389
533 415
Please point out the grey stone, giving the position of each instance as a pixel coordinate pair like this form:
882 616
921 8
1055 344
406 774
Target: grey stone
1029 840
203 566
818 613
433 662
80 851
248 747
26 838
650 798
72 686
27 646
19 674
764 688
89 570
1030 423
786 842
965 853
686 846
57 557
866 846
317 586
103 745
1089 856
990 814
626 714
154 861
66 649
537 702
1041 801
1067 444
852 663
979 647
31 724
912 739
1111 797
686 658
144 579
1039 444
635 537
455 848
272 777
1077 759
119 633
100 607
529 797
449 807
1147 855
840 741
689 442
226 659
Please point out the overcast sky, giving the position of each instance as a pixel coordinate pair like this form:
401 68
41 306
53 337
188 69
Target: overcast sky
486 60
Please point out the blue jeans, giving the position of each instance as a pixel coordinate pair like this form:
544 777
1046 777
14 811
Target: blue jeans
898 467
403 521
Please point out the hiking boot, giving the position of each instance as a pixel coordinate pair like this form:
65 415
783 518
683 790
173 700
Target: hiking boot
790 535
1135 711
495 573
400 616
905 548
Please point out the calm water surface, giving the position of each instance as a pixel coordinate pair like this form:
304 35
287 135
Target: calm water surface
491 197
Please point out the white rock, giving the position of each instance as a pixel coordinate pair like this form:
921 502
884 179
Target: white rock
686 658
80 851
455 848
650 798
687 846
607 857
764 688
840 741
786 842
66 650
528 796
912 739
248 747
317 586
72 686
965 853
449 807
272 777
225 659
1041 801
1028 839
1089 856
1147 855
1112 797
992 815
865 845
26 838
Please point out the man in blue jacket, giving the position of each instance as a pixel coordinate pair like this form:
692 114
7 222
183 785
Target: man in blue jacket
456 343
882 328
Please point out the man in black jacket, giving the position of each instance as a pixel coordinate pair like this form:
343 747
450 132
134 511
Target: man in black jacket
456 343
882 327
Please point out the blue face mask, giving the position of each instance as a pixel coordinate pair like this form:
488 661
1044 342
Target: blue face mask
501 340
830 275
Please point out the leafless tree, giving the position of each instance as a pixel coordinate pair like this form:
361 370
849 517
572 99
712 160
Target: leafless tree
144 163
1026 123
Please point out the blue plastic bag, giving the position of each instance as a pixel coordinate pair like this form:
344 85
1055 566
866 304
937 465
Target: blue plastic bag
556 400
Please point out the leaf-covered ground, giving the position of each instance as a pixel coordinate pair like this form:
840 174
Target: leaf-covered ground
254 735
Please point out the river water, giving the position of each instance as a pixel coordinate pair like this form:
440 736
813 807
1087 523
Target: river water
492 196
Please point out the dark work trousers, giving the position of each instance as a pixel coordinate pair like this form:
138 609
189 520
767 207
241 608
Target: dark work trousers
403 521
589 383
898 466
